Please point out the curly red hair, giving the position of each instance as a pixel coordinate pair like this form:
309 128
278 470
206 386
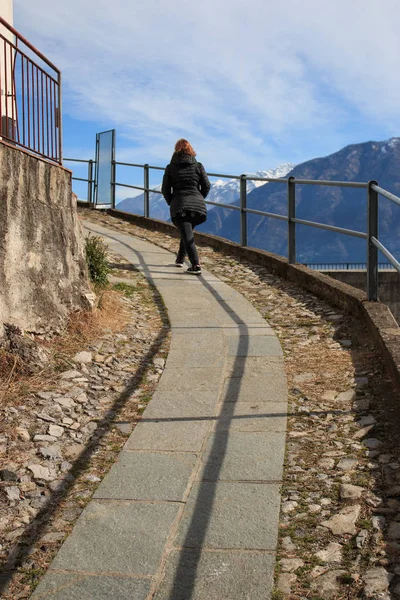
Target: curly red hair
184 146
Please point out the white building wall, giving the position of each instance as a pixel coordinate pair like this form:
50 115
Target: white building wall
6 12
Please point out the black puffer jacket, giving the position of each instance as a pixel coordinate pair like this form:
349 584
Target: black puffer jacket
184 187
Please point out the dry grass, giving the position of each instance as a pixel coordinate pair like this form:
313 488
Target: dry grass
16 377
85 326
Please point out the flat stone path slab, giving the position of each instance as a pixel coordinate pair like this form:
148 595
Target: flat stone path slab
190 509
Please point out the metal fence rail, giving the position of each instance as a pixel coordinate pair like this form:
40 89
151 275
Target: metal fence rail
89 179
371 235
30 99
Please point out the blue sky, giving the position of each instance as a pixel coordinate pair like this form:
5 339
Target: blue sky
250 84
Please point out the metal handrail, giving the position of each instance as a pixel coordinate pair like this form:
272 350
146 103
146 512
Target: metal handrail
30 97
81 160
230 206
386 253
124 164
371 235
351 184
254 211
28 44
386 194
90 179
352 232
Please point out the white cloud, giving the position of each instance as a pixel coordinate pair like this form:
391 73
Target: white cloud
251 84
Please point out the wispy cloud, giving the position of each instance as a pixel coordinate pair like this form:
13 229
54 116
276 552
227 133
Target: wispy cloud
251 84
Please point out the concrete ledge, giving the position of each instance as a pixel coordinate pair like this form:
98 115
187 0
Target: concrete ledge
384 329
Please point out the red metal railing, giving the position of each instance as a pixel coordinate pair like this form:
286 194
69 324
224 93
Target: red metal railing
30 96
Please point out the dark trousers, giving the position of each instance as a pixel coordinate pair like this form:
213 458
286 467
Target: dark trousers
187 245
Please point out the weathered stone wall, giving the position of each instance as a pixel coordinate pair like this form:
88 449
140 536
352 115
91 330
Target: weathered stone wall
388 282
43 275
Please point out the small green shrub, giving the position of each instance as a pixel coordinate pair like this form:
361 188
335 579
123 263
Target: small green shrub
96 258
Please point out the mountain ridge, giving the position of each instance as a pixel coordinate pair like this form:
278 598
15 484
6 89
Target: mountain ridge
342 207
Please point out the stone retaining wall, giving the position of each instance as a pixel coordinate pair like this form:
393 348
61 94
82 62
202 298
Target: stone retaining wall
43 275
388 281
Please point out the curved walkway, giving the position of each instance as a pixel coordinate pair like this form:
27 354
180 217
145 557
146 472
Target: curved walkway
190 510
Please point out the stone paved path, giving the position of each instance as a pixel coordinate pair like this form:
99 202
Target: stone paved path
190 510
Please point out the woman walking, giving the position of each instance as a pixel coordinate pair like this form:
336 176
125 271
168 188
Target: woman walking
185 186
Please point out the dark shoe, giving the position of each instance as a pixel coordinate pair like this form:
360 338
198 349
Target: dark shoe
180 261
194 270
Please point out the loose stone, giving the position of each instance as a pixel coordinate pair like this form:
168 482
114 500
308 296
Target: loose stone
347 464
285 582
326 463
288 544
23 434
83 357
331 554
367 420
13 493
378 522
56 431
40 472
289 506
344 521
361 538
363 432
372 443
350 492
329 395
361 404
44 438
73 451
289 565
377 581
65 402
7 475
72 374
346 396
51 452
394 531
327 585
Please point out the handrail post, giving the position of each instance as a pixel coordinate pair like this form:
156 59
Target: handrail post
113 186
372 251
146 185
291 224
243 213
59 121
90 183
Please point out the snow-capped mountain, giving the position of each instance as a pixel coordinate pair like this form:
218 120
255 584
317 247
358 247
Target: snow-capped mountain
226 191
338 206
223 191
